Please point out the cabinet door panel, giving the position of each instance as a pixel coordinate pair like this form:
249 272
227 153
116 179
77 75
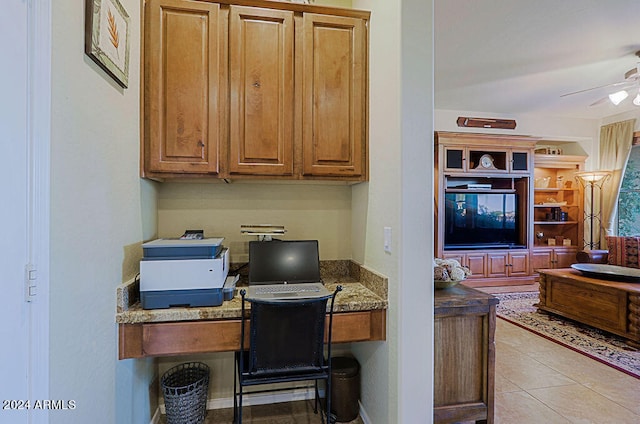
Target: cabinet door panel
454 159
541 259
261 78
477 265
497 264
334 95
520 161
183 79
565 257
518 264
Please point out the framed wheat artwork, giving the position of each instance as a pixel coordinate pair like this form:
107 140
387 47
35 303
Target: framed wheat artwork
106 38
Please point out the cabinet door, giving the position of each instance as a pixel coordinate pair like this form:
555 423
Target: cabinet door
184 79
454 159
477 264
520 161
565 257
334 96
518 264
497 264
261 80
541 259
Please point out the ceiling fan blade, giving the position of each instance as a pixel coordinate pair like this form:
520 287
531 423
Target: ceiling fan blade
615 84
599 102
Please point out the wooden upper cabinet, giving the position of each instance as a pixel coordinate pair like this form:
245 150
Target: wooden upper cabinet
183 79
334 96
264 89
261 64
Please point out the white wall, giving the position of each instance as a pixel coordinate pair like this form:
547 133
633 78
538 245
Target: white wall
397 374
308 211
376 205
97 207
585 132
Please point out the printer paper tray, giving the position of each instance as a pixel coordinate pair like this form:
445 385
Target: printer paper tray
162 299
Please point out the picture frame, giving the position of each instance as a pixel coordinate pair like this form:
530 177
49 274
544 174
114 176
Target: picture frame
106 38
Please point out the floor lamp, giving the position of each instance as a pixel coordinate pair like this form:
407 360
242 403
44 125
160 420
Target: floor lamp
591 180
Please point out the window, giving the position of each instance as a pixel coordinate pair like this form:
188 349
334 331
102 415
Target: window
629 197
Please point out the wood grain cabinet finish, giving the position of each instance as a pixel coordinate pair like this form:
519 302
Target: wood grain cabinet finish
334 109
261 68
613 306
258 89
553 257
464 355
508 264
184 78
460 174
475 261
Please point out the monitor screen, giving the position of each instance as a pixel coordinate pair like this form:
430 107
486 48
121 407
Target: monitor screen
291 261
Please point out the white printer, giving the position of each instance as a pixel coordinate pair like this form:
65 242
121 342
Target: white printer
183 272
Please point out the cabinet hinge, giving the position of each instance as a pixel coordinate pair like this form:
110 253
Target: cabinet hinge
30 282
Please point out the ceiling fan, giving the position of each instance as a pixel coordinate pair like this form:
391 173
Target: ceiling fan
630 85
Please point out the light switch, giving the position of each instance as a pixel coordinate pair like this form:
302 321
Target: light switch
387 239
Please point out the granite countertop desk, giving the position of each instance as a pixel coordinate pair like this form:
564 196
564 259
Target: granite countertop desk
359 315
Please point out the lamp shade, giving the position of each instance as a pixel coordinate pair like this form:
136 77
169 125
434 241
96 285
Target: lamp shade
592 176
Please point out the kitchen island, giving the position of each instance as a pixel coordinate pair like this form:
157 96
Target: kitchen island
359 315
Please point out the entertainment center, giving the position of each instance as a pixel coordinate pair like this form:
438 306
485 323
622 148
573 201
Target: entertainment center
504 211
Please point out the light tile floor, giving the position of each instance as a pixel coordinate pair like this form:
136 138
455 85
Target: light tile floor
539 381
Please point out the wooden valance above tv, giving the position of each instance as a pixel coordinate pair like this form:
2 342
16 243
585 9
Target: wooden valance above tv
506 124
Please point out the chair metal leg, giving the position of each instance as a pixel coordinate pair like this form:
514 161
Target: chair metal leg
328 397
235 392
240 407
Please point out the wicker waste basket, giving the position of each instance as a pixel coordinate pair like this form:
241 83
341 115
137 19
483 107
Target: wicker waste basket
184 388
345 388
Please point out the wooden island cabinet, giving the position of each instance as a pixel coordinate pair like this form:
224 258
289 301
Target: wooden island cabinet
255 89
464 355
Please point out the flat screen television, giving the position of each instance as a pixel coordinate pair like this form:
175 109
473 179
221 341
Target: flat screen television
482 220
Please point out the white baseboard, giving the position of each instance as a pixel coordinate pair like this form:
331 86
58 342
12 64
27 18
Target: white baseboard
249 399
156 416
363 414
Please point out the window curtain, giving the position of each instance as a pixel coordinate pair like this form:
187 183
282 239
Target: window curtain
615 145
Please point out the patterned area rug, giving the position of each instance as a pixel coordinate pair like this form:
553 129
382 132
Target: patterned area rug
519 309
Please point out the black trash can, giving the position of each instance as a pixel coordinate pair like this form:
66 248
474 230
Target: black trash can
345 388
184 388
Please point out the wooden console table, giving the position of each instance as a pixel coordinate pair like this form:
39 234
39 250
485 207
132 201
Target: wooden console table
608 305
464 355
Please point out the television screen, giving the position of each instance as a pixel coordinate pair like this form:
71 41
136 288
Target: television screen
481 220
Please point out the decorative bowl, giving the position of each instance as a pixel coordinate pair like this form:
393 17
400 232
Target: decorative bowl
439 284
542 182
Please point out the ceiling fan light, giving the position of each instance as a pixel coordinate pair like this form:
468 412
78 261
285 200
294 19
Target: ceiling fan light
618 96
636 101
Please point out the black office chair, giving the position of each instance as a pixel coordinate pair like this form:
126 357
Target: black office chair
286 344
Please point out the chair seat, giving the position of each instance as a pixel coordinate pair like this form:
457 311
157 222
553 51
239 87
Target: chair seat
274 375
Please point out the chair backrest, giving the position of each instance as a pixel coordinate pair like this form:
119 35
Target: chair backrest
287 336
